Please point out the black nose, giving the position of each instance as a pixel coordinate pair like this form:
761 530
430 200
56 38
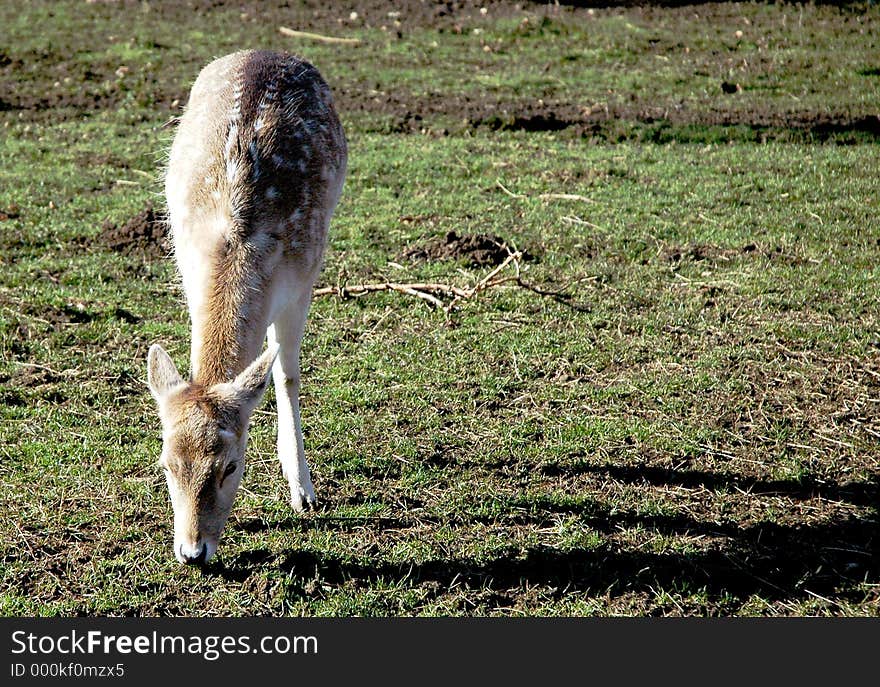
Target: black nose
198 559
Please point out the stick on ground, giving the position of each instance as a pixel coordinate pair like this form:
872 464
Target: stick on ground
429 291
317 36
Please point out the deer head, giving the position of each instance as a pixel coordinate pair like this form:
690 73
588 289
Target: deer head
204 435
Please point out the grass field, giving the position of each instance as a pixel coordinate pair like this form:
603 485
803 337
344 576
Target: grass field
674 413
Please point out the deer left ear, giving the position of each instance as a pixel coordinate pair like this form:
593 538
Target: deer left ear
250 385
162 374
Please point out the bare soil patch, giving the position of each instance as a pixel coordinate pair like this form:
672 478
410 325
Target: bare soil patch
712 254
443 113
476 250
10 212
145 235
59 86
50 85
314 15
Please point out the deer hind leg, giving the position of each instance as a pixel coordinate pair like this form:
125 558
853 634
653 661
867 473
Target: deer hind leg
287 331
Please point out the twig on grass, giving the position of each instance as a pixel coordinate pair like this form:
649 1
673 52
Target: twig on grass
433 292
424 295
545 196
570 219
430 291
565 196
69 372
317 36
507 190
355 290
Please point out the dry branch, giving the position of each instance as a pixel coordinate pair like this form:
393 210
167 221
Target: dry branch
316 36
545 196
507 190
565 196
430 291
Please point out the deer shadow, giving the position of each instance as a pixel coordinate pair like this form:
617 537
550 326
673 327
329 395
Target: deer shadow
775 561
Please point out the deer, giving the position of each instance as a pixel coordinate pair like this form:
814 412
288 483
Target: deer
254 174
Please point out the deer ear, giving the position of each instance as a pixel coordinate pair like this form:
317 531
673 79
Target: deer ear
251 384
162 375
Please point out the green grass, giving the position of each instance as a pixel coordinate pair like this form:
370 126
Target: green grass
690 427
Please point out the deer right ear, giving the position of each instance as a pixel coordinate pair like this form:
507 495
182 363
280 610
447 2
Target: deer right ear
162 375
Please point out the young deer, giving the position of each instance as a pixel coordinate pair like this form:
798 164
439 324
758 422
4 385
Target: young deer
255 172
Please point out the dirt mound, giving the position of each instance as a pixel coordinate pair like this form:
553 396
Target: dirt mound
477 250
701 252
144 234
10 212
704 252
439 113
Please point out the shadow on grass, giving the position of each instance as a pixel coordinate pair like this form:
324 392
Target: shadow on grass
856 493
777 562
773 562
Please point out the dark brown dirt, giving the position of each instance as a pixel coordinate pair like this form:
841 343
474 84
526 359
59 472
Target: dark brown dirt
27 377
476 250
441 114
66 314
54 86
9 212
57 86
144 235
712 254
316 15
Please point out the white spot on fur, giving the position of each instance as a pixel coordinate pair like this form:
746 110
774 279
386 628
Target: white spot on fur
271 193
231 138
215 195
235 112
258 123
268 94
209 181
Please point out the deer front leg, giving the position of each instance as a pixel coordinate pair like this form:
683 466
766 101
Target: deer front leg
287 331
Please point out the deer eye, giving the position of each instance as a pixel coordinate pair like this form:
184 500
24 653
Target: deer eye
230 468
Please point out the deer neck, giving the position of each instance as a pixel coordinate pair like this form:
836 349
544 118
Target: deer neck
229 319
